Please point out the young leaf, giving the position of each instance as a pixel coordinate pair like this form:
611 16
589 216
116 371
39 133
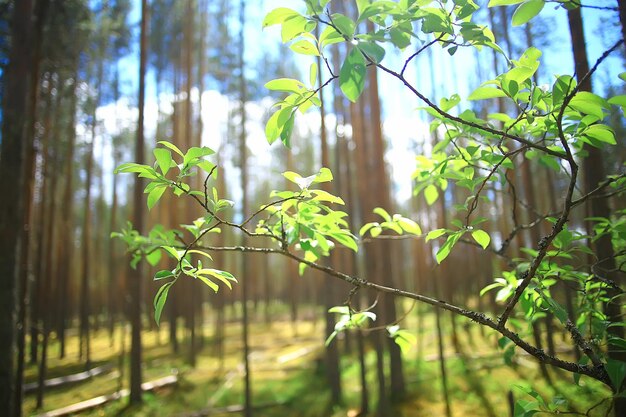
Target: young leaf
164 159
409 226
159 300
313 74
345 239
482 238
383 213
278 15
285 84
155 195
304 47
483 93
494 3
431 194
163 275
527 11
171 146
434 234
352 75
373 51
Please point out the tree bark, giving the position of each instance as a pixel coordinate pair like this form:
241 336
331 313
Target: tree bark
594 174
16 118
138 221
243 98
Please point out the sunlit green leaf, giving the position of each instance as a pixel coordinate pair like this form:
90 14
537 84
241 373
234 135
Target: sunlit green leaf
164 159
155 195
304 47
278 15
170 146
434 234
159 300
352 75
483 93
527 11
482 238
431 194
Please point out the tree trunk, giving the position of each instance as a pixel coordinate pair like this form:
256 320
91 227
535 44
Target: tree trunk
243 97
138 221
594 174
65 265
14 130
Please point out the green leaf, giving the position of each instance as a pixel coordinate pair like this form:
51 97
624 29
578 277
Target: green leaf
588 103
345 25
409 226
278 15
431 194
482 238
339 310
382 213
483 93
602 133
155 195
446 104
170 146
164 159
285 133
206 281
618 100
285 84
173 252
164 274
323 175
224 276
321 195
153 257
434 234
527 11
373 51
330 36
366 227
276 123
293 26
132 167
199 252
446 248
352 75
159 300
346 239
617 372
195 154
494 3
304 47
313 74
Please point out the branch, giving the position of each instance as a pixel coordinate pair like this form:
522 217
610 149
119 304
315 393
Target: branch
545 242
596 372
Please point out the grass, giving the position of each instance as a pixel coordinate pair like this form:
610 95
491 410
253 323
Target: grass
288 379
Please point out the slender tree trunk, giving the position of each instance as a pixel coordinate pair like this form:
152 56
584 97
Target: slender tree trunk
621 4
48 284
66 269
16 119
138 221
594 174
333 373
243 154
41 10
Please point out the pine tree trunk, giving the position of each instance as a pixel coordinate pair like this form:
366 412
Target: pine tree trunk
138 221
594 174
245 276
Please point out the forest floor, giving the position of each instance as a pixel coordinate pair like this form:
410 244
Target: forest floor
288 378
